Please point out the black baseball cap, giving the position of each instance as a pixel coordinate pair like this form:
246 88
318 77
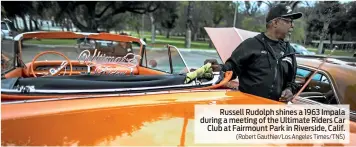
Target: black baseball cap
284 11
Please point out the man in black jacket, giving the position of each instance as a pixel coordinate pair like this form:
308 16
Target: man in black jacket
266 64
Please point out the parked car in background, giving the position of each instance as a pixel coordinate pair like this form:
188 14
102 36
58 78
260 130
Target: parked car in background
301 49
8 30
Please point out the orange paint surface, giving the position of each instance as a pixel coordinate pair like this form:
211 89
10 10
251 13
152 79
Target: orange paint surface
162 119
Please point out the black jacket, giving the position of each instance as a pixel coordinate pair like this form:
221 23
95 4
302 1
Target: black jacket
260 70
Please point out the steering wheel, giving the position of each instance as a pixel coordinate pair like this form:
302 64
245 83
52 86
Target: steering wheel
52 72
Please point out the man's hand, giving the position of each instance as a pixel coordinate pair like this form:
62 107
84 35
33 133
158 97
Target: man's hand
233 84
287 95
214 64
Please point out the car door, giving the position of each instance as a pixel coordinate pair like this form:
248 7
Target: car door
320 83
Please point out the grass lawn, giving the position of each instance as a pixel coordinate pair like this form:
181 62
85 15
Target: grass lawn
161 40
177 41
336 52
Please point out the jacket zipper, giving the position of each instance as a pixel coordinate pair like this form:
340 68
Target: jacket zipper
274 79
275 71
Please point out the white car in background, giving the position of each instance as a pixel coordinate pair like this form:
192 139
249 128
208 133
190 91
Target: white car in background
8 30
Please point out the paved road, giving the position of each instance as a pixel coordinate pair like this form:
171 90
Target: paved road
7 48
193 58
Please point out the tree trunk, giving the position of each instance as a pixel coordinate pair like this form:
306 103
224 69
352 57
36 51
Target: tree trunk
30 20
62 26
67 26
331 41
188 38
321 50
153 33
188 35
138 31
25 28
210 44
15 23
153 28
195 36
36 25
168 32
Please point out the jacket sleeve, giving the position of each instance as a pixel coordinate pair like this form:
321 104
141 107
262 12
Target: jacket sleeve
291 84
238 58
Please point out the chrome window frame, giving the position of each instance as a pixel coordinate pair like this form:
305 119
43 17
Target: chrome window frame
327 75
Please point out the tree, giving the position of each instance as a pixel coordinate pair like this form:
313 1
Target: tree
351 16
188 34
252 7
89 16
308 11
168 20
325 14
12 10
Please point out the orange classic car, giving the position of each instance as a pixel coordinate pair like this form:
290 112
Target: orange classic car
84 89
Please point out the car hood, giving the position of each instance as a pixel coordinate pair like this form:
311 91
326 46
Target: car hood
226 40
163 119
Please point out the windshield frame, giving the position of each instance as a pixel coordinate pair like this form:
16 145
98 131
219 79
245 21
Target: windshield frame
14 60
18 40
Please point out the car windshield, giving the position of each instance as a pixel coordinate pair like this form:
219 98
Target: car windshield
76 49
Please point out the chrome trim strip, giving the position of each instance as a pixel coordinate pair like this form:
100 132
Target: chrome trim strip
308 97
180 54
19 36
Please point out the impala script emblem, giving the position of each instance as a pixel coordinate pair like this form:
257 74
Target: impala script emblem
109 64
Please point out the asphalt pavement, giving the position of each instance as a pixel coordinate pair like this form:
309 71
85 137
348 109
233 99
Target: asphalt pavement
7 48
